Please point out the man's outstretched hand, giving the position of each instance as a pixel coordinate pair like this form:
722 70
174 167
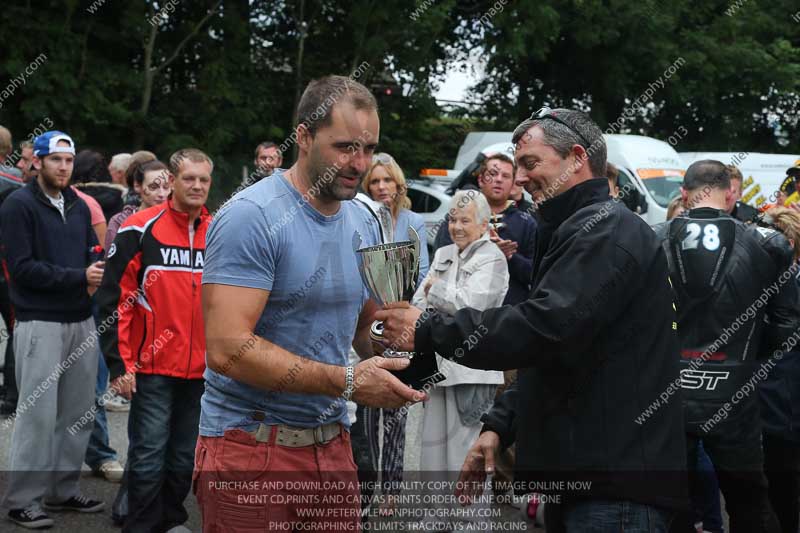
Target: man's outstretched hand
376 386
399 322
478 464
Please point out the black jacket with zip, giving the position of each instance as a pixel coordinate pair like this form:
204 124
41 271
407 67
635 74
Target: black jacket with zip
595 345
47 255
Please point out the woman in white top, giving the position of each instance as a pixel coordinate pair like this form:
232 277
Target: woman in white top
471 272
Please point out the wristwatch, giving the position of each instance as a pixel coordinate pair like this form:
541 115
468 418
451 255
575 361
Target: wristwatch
349 383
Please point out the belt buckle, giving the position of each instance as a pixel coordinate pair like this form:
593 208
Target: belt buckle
319 435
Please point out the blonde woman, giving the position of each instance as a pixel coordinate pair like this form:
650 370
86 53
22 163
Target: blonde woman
385 183
675 208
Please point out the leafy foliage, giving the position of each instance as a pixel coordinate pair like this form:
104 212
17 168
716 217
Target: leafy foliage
223 74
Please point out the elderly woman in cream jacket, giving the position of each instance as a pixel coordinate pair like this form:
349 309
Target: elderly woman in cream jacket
471 272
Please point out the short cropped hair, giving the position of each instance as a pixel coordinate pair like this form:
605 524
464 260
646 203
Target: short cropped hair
321 95
462 198
707 173
265 145
562 138
499 156
734 172
120 162
192 154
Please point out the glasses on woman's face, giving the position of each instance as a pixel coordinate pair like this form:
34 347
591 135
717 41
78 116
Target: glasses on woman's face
382 157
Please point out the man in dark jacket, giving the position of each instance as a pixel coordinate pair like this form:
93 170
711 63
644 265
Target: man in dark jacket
512 229
48 240
595 345
736 301
8 392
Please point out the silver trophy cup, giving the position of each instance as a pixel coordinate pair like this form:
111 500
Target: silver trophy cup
390 273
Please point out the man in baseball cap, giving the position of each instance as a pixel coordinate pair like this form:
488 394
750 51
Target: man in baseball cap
794 170
787 192
52 267
53 142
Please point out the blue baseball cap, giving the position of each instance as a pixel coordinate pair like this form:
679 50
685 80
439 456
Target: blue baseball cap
47 143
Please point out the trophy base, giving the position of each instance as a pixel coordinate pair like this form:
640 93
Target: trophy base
376 334
421 374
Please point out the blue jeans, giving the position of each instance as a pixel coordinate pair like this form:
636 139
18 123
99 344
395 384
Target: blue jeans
707 507
99 451
605 516
162 426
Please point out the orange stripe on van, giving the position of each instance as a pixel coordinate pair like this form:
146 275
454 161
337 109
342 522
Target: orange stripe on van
647 173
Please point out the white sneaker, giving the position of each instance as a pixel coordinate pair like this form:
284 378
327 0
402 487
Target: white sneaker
117 404
179 529
111 470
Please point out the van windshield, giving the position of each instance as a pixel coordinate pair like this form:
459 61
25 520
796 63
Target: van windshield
662 184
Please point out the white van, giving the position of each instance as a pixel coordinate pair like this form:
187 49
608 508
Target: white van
653 166
763 173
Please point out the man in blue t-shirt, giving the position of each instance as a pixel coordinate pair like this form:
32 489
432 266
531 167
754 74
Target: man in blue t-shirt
283 301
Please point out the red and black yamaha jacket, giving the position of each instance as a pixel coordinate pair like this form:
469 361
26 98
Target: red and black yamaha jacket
152 283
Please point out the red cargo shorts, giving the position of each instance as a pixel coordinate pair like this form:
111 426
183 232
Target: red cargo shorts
246 485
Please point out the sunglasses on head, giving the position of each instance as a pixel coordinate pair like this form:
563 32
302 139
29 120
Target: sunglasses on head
382 157
547 113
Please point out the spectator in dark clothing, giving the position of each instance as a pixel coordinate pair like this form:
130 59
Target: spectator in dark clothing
513 230
10 394
50 262
10 181
734 307
780 405
595 344
91 177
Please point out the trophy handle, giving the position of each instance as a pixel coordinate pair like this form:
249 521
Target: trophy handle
413 236
387 224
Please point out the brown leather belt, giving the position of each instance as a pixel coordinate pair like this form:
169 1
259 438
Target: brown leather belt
298 437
